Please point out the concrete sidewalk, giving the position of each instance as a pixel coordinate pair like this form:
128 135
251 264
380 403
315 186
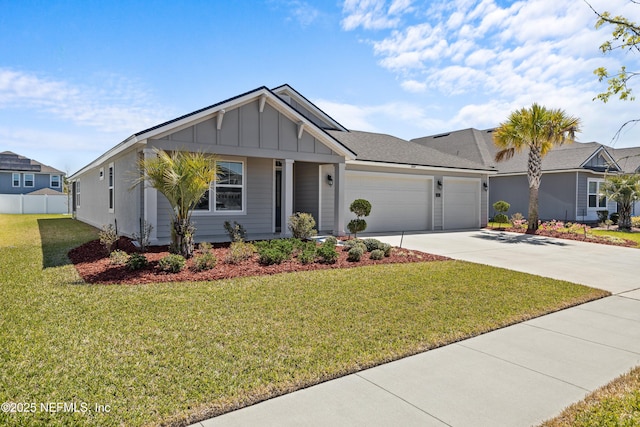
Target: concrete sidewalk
515 376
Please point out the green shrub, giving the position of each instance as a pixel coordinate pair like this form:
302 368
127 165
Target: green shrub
236 232
386 249
354 254
327 253
356 226
635 221
277 250
108 237
118 257
361 208
603 215
269 256
331 239
307 253
377 254
614 217
172 263
205 247
302 225
239 251
501 218
372 244
137 261
501 206
204 261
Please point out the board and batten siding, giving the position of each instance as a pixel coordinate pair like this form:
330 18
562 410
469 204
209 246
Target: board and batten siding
247 132
259 212
327 199
306 191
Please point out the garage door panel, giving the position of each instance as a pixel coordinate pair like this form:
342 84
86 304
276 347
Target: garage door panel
461 204
398 203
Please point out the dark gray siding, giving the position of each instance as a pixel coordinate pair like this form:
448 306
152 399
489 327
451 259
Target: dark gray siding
306 188
41 180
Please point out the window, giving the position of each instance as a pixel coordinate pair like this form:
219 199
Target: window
28 179
16 179
111 195
55 181
594 199
227 191
77 194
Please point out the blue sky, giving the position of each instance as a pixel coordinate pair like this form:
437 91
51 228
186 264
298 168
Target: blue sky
77 77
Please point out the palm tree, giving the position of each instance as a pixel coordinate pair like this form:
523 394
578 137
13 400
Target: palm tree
624 189
183 178
537 129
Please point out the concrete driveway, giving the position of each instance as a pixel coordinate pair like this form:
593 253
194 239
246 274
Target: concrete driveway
615 269
514 376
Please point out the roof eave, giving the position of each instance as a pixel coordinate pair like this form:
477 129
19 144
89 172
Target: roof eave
421 167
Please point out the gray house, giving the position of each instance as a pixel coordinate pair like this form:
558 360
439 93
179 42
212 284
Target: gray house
571 174
278 154
20 175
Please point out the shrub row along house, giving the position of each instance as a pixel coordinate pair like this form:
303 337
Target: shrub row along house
572 174
278 154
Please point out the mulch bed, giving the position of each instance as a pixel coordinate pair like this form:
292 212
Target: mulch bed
94 265
571 236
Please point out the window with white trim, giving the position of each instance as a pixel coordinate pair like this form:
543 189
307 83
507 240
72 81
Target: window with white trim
226 194
55 181
594 198
29 180
110 182
15 178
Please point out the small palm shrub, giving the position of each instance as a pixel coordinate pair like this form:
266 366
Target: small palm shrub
327 253
205 247
108 237
302 225
172 263
204 261
137 261
603 215
354 254
118 257
377 254
239 251
236 232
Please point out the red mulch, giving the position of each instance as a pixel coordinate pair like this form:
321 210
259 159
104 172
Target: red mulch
571 236
94 266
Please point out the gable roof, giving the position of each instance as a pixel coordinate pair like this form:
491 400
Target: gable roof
307 108
628 159
382 148
263 93
477 145
10 161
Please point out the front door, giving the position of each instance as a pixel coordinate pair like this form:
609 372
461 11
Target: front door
278 201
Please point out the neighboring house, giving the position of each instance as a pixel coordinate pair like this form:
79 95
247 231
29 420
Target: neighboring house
571 173
278 154
20 175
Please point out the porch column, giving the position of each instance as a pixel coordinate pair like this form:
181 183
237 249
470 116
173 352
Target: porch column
287 191
150 201
339 182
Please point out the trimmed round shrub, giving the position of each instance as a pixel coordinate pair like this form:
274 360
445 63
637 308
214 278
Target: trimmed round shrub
118 257
356 226
501 219
137 261
376 254
360 207
331 239
302 225
354 254
271 255
372 244
172 263
386 249
205 261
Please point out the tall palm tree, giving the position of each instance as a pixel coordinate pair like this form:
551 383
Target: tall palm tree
183 178
537 129
624 189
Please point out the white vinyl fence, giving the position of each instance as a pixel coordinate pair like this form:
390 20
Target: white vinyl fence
33 204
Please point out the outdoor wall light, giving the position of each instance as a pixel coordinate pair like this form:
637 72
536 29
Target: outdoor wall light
485 186
330 180
439 184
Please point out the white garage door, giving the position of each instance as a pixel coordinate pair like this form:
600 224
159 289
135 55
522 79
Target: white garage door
461 203
398 202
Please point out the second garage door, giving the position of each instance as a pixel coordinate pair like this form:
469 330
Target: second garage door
399 202
461 203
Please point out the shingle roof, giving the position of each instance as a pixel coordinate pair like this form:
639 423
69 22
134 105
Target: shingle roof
628 158
378 147
47 191
10 161
477 145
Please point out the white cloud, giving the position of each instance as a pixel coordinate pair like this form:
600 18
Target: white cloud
373 14
117 105
414 86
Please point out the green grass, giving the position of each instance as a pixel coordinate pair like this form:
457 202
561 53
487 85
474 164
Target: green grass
177 352
620 234
616 404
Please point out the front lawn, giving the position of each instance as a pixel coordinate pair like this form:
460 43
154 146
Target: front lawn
628 235
180 352
615 404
